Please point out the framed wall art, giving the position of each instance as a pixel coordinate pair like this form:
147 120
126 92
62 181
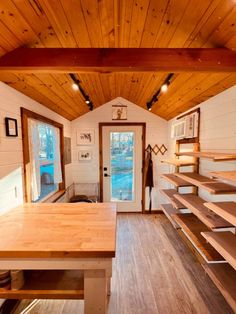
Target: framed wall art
85 155
119 112
11 127
85 137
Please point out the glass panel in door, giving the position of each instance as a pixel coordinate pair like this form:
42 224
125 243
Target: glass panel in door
122 166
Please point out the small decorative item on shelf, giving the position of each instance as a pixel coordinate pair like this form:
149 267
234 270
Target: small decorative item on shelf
11 127
5 280
17 279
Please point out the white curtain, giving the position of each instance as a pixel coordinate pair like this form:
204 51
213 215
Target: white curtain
57 156
34 147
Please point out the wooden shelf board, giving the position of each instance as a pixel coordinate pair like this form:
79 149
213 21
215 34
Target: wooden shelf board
226 210
210 155
225 175
212 186
196 205
173 179
49 284
179 162
169 194
224 277
219 188
169 210
192 227
224 243
194 178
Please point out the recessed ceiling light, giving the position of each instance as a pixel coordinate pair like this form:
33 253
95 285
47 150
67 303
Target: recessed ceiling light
164 88
75 86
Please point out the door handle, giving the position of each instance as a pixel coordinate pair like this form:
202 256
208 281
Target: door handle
106 175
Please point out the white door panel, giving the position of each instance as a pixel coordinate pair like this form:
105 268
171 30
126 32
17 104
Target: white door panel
122 166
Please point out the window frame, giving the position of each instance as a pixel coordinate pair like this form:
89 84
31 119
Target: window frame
25 115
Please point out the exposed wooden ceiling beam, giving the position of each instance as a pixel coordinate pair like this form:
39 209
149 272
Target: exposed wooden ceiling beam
119 60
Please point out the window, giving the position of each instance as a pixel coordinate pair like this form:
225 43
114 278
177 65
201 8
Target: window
43 159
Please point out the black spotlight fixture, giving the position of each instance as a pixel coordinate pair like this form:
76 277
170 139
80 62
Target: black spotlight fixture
77 86
162 89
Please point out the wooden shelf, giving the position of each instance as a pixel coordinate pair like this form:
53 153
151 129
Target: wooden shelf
196 205
212 186
176 181
49 284
210 155
169 210
192 228
224 243
224 277
179 162
194 178
226 210
169 194
219 188
225 175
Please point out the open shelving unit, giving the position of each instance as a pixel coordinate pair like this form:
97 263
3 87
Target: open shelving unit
49 284
213 186
209 228
196 205
192 228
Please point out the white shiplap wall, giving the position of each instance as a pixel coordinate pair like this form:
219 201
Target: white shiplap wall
11 156
156 133
217 133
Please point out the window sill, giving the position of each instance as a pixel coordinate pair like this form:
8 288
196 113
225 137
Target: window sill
55 197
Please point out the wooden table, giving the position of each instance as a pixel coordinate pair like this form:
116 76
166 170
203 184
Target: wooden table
70 237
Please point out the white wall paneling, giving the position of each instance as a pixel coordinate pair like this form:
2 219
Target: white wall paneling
11 155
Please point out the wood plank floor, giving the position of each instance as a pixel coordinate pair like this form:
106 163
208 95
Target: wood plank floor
154 272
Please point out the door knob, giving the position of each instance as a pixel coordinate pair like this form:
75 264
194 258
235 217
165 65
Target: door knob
106 175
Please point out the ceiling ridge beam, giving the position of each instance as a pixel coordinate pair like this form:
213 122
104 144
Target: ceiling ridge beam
65 60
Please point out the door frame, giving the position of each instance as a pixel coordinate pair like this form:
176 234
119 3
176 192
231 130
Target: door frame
104 124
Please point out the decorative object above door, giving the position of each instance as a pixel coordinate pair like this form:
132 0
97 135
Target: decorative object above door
119 112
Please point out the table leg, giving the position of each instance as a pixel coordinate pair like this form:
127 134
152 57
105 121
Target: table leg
108 286
95 292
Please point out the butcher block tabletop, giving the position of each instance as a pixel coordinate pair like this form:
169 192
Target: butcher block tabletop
55 230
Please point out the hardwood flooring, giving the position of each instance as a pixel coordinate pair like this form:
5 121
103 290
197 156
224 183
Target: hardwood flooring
154 272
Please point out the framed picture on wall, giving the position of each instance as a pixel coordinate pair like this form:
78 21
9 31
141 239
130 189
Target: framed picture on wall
85 155
11 127
119 112
85 137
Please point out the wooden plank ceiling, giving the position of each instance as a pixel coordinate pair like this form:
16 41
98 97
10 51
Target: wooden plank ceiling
118 23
